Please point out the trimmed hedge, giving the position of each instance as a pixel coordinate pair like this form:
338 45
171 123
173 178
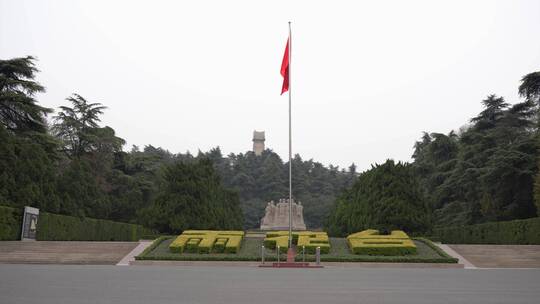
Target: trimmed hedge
192 245
519 232
374 234
233 244
441 256
277 241
178 245
10 223
308 239
219 245
369 242
382 247
207 241
54 227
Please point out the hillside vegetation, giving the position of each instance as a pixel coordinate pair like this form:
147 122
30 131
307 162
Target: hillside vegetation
69 163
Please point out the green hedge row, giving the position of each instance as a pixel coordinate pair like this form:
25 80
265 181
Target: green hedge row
54 227
443 256
510 232
10 223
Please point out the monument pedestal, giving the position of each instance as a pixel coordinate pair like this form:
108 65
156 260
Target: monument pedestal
291 254
290 265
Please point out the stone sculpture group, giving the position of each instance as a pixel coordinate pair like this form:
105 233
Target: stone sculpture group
277 216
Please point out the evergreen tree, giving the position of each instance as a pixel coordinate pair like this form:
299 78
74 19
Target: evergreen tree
19 111
79 130
259 179
27 153
27 173
530 90
486 172
386 197
192 197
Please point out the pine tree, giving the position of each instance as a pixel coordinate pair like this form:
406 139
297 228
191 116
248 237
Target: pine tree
386 197
19 111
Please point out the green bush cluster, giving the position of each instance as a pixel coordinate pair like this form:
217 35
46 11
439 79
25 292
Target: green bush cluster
251 252
54 227
10 223
510 232
369 242
387 196
384 248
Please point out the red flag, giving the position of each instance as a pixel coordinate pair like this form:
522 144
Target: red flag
285 70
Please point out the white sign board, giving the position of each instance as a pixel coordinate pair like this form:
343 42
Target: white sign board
29 225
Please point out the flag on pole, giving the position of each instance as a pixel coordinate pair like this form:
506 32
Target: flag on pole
286 73
285 69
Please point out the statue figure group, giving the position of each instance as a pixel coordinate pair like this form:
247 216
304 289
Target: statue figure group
277 216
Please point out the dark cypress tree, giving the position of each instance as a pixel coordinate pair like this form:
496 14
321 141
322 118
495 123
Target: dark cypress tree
386 197
19 111
192 197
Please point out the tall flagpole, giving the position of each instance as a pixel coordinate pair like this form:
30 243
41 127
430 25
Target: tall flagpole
290 141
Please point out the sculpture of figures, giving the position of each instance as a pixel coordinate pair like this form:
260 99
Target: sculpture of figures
300 213
269 214
277 216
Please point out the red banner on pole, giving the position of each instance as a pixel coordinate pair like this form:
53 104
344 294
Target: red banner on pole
285 70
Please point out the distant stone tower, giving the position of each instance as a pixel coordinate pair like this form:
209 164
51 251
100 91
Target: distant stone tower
258 142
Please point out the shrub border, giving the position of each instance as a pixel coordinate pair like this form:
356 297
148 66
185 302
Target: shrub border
444 257
59 227
514 232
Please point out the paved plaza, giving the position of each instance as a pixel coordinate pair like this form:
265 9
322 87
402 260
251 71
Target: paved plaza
501 256
73 252
52 284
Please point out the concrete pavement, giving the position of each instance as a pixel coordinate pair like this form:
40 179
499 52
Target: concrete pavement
52 284
59 252
500 256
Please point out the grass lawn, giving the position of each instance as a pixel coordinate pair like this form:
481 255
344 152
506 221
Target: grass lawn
339 252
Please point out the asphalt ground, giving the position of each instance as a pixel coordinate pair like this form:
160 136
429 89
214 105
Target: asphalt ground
53 284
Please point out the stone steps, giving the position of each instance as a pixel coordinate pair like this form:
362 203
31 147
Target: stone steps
500 256
57 252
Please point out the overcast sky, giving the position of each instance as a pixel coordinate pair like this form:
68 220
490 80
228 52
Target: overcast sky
367 77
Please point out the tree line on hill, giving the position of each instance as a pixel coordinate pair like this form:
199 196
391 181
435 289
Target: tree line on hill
487 171
75 166
70 164
260 179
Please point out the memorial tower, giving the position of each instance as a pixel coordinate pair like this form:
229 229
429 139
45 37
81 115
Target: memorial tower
258 142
